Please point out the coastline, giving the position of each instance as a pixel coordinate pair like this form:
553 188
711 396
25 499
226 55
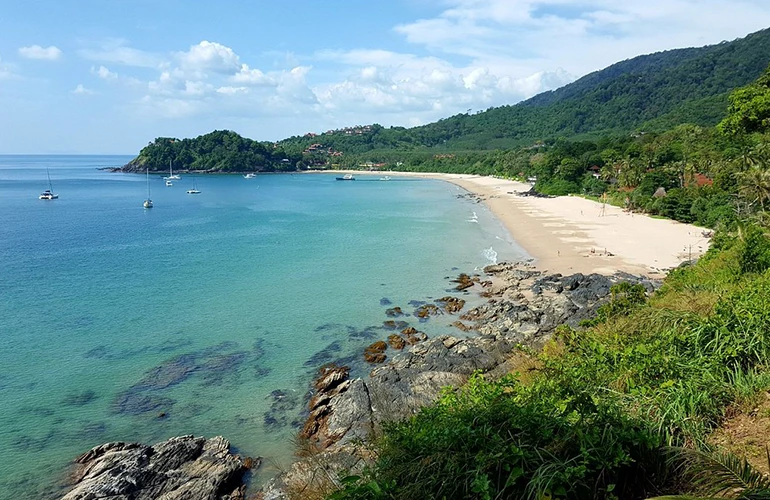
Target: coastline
570 234
559 233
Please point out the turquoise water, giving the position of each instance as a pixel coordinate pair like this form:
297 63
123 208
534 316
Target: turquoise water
208 314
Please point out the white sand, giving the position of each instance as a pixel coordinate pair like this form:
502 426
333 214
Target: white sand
569 234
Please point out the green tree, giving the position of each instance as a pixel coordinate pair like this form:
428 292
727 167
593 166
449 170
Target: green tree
754 186
749 109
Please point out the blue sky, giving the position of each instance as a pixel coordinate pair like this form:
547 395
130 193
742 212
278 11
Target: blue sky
108 76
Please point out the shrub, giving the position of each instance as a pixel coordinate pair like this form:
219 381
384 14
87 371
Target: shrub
498 440
754 251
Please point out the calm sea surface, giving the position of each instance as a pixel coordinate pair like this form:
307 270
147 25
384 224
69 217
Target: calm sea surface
207 314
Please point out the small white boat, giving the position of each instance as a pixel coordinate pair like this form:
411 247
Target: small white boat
249 176
194 189
346 177
169 183
171 176
148 202
386 178
48 194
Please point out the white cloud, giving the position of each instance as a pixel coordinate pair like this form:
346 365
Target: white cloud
292 87
405 85
196 89
210 56
171 107
254 76
104 73
81 90
51 53
116 51
543 35
233 90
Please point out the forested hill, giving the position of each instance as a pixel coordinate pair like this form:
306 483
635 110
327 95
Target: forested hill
650 92
217 151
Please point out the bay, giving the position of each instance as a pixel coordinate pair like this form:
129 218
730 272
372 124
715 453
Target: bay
208 314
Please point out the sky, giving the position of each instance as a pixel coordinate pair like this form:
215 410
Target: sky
109 76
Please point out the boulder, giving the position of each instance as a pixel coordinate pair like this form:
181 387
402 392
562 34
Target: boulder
375 353
396 341
180 468
451 304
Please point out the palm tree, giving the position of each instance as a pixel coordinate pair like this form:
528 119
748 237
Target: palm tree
713 474
754 185
631 172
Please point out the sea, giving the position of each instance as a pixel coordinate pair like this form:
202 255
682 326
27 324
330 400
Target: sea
208 314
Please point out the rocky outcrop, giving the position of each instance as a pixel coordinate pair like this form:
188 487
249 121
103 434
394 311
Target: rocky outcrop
181 468
525 307
327 424
375 353
464 281
451 304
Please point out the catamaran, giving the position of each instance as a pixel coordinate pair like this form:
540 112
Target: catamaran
48 194
171 176
194 189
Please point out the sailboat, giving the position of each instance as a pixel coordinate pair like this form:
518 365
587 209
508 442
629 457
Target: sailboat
194 189
48 194
171 176
148 201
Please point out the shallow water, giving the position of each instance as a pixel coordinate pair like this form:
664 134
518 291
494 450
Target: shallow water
207 314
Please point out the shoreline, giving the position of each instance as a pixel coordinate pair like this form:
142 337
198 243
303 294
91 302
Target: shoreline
570 234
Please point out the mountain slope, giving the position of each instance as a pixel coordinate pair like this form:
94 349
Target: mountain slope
650 92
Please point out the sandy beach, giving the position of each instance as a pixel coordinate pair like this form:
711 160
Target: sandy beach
569 234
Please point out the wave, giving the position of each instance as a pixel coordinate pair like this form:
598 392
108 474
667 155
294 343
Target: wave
490 255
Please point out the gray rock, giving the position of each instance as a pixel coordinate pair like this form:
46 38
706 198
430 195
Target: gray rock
182 468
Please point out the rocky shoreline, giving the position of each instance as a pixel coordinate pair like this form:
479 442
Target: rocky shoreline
524 307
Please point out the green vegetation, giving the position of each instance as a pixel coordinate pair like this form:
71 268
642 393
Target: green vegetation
649 93
218 151
623 407
600 414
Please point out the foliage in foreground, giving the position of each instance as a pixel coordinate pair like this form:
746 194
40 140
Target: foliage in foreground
713 474
597 419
